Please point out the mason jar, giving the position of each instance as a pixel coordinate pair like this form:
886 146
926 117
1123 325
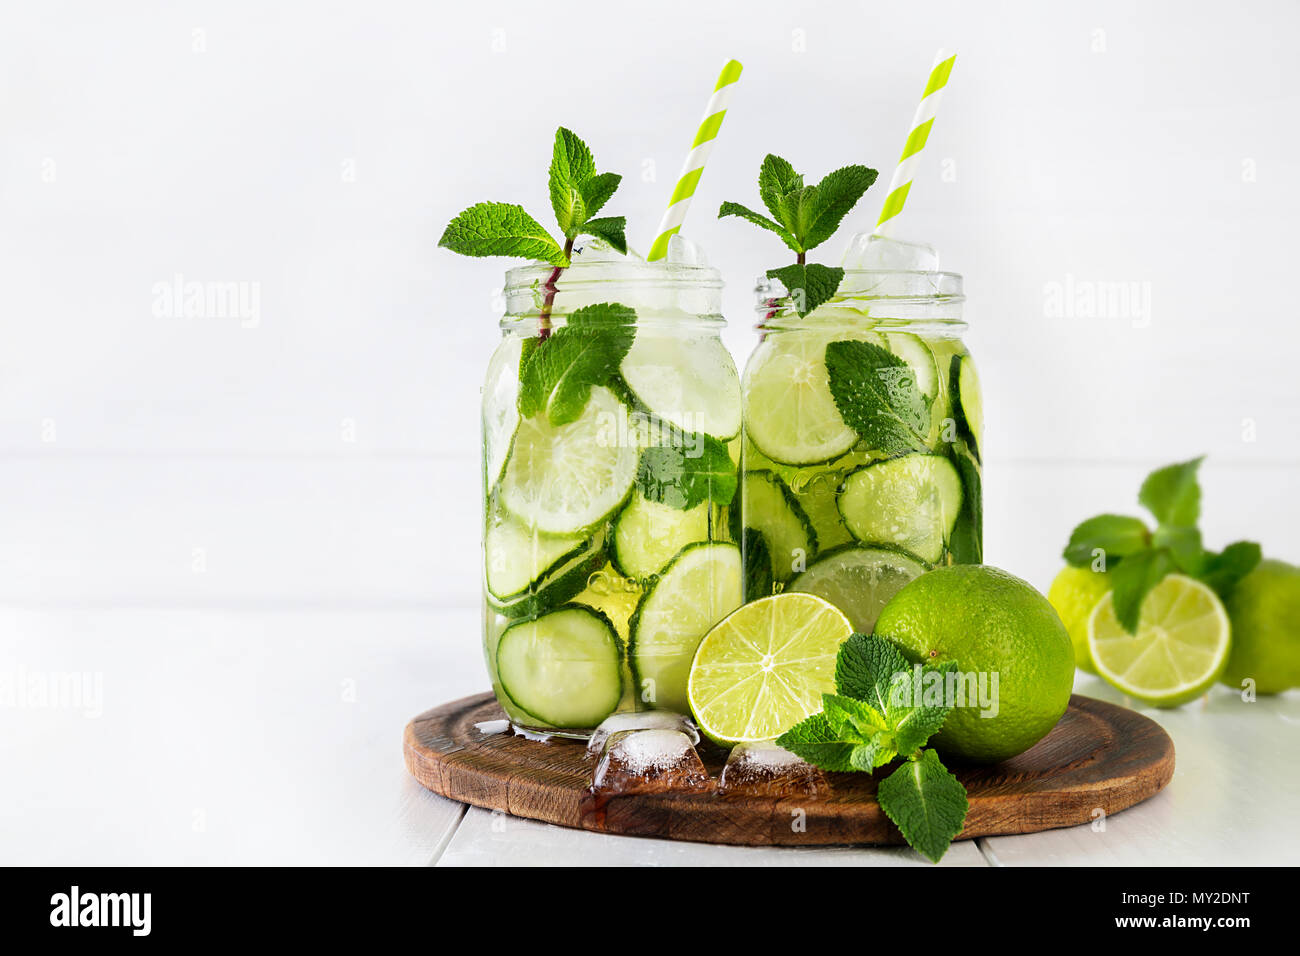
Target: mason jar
611 442
862 444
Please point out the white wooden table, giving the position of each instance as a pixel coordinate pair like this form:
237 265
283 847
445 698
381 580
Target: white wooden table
273 735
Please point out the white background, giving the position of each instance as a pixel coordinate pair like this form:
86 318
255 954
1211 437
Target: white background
162 476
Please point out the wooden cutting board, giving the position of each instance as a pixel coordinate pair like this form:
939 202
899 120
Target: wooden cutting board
1098 758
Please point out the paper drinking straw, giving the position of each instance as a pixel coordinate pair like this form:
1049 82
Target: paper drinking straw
921 123
693 168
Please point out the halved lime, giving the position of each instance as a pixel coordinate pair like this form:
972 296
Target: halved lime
765 667
859 581
1180 648
564 479
790 413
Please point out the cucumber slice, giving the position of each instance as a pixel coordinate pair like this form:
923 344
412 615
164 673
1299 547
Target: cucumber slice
818 495
690 384
558 585
768 507
790 415
966 543
912 350
964 385
701 586
859 581
515 557
910 502
501 406
567 479
647 534
565 667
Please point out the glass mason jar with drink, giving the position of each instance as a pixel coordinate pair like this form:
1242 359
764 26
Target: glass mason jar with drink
862 438
611 422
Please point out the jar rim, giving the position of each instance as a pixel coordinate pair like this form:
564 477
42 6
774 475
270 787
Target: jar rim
894 285
632 273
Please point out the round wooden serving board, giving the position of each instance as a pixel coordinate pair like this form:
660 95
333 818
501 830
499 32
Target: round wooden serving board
1098 757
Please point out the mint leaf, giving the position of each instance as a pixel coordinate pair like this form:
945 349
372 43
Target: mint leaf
1115 535
610 229
926 802
1223 570
866 667
596 190
776 177
1173 493
877 396
571 165
848 715
913 725
870 755
683 475
835 195
1184 547
501 229
1132 579
792 210
758 219
809 286
816 741
587 351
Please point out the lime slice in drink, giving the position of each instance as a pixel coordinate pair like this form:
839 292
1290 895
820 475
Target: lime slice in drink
765 667
791 415
690 384
700 587
501 406
859 581
565 479
1180 648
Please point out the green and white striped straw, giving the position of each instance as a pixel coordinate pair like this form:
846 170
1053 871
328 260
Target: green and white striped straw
693 168
921 124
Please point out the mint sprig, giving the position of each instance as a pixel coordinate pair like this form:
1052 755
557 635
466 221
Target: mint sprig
803 217
577 192
874 720
1138 558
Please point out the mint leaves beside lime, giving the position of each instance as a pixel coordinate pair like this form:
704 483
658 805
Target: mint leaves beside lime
803 217
870 722
1000 628
1264 608
1138 558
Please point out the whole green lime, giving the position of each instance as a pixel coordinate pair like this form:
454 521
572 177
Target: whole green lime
1074 594
1004 633
1264 609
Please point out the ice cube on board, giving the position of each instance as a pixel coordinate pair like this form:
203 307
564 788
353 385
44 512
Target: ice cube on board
762 769
645 720
650 761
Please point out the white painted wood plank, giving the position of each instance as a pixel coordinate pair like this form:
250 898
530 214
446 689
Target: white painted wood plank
1230 802
226 737
495 839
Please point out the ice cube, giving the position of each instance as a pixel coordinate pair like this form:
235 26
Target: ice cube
650 761
683 252
880 253
762 769
646 720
